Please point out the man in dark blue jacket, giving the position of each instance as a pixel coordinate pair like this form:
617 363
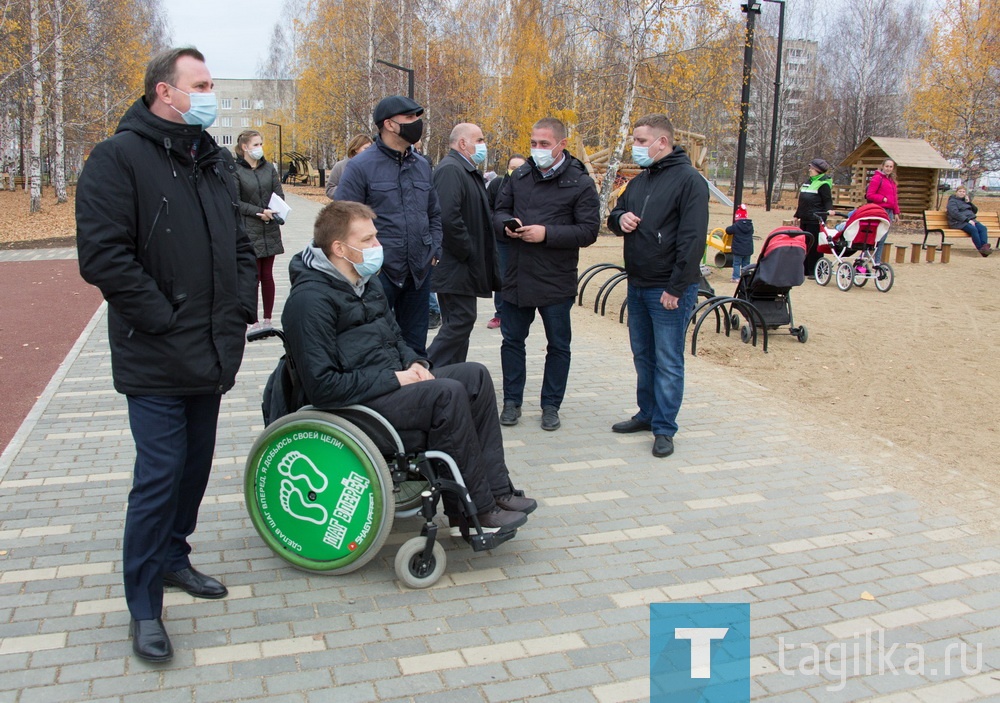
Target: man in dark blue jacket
159 232
663 216
395 182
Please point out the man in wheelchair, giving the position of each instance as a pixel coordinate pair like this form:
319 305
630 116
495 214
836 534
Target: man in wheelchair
346 348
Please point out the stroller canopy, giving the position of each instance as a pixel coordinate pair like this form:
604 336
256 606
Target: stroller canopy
866 225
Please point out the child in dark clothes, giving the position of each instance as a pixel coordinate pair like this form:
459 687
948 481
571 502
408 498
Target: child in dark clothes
742 231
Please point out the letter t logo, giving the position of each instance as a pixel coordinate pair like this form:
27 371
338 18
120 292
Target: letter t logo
701 647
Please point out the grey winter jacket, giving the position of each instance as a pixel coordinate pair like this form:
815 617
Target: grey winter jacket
256 186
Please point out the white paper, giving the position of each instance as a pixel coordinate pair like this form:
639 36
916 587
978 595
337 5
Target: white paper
279 206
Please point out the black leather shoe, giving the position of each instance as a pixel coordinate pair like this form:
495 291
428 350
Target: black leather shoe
550 418
150 640
630 425
195 583
513 502
510 414
663 445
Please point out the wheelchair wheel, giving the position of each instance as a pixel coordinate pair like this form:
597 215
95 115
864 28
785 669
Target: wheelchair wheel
416 572
824 271
884 277
845 276
319 493
408 496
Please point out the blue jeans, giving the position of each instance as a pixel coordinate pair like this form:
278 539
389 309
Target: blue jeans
739 261
657 336
411 307
515 323
174 442
977 232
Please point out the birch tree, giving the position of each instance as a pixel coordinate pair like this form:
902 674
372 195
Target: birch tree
37 113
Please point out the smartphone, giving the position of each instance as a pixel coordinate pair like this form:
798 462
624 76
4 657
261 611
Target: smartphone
512 224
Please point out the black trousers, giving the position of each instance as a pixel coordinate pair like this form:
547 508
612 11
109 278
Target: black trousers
174 442
458 317
458 410
812 255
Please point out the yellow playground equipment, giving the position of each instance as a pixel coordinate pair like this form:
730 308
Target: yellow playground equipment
722 244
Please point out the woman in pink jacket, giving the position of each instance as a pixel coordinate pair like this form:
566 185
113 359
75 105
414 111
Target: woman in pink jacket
882 191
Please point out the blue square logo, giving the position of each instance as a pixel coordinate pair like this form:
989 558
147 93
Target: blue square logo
699 653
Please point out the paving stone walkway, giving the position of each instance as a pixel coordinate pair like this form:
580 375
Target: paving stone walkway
759 504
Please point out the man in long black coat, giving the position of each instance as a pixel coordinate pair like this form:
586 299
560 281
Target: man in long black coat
468 268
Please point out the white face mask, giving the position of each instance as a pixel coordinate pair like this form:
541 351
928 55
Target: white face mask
257 153
543 158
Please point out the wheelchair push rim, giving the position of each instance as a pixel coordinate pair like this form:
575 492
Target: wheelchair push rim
318 492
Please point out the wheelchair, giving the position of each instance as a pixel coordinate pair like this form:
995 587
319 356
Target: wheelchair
324 485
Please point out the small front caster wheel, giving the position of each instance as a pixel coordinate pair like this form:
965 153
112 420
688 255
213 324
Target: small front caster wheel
415 571
745 334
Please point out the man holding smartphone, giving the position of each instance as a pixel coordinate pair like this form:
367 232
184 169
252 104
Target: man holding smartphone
546 211
663 216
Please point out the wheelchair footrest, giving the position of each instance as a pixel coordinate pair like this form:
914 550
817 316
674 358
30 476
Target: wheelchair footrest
489 540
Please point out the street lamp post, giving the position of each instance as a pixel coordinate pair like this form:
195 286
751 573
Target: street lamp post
752 9
408 71
281 153
774 109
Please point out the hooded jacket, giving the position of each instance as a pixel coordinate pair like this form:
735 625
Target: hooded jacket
468 263
160 233
671 199
346 347
256 186
566 203
742 231
397 186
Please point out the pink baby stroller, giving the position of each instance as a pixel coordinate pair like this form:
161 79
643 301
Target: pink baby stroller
864 227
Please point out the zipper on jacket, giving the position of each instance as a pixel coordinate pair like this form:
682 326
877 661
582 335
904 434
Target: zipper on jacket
164 205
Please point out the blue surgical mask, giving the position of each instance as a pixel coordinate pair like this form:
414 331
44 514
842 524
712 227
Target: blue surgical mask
543 158
202 111
480 154
641 157
373 258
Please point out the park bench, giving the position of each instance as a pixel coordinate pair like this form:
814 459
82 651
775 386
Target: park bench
936 222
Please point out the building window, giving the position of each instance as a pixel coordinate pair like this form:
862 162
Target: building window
226 140
244 121
227 104
225 121
245 104
258 104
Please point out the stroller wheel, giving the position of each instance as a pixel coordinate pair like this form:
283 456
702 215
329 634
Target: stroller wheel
845 276
745 334
802 334
884 277
734 321
824 271
860 279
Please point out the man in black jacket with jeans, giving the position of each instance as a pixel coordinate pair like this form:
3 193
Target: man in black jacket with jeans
347 349
159 232
556 207
663 216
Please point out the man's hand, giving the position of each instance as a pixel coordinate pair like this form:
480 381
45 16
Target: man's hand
669 302
533 234
628 222
422 371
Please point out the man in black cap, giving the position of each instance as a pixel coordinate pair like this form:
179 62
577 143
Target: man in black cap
395 182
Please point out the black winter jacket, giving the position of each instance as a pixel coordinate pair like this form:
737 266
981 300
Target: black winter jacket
256 186
815 195
398 187
468 263
161 235
960 212
742 231
567 205
346 348
665 250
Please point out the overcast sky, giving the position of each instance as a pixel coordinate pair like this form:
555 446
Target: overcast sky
233 34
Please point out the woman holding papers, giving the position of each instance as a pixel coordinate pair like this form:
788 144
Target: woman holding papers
258 181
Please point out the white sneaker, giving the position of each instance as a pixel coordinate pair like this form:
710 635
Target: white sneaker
266 325
253 328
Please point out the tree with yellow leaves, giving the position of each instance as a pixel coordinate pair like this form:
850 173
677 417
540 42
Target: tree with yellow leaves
954 104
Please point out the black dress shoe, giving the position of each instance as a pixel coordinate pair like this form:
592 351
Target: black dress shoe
663 445
150 640
631 425
195 583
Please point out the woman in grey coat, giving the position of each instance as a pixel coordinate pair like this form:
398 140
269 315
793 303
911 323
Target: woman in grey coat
257 180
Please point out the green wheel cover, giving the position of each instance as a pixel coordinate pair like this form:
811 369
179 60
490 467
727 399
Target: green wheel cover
315 488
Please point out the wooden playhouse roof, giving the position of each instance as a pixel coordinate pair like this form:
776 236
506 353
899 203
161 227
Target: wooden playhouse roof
907 153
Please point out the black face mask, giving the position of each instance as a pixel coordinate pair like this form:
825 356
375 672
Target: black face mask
411 132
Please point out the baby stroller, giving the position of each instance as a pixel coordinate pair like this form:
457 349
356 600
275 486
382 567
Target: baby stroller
766 284
864 227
